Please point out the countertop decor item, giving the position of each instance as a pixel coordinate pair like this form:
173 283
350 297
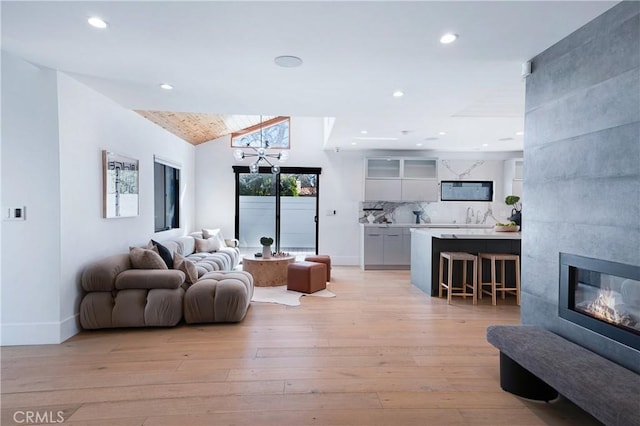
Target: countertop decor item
516 211
505 227
418 214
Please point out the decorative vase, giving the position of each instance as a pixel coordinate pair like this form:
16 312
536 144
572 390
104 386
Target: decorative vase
266 252
516 216
371 218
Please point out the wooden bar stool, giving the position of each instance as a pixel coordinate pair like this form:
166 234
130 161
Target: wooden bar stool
462 289
495 284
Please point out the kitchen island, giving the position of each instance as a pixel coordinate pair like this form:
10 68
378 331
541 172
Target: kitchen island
427 243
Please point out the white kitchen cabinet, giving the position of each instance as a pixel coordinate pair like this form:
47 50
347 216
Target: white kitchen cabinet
373 247
424 168
383 189
516 188
386 247
419 190
406 246
401 179
392 252
387 168
513 176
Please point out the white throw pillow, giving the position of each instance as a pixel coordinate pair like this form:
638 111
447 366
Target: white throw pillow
207 245
214 233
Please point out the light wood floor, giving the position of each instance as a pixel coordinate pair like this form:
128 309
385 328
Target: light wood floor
380 353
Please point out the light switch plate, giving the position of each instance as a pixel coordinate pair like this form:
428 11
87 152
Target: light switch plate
14 213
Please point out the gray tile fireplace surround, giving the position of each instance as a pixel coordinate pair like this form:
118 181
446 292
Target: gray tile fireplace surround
581 190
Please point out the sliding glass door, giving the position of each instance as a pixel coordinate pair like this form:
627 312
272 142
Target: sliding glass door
298 213
283 207
257 209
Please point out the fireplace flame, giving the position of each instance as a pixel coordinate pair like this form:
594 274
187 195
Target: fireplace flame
603 307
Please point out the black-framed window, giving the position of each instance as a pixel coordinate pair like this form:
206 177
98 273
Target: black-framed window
466 190
167 196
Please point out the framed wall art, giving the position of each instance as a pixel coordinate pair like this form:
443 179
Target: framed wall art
272 133
120 185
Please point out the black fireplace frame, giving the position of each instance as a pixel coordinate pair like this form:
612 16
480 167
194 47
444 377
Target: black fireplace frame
566 300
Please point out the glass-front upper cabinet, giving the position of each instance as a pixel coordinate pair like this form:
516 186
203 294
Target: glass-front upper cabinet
383 168
401 179
405 168
419 169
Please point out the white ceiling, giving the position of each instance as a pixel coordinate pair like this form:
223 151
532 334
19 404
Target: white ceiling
219 58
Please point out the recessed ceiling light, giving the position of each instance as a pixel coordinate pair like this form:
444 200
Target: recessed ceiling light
519 133
354 143
364 132
442 133
485 144
96 22
166 86
398 94
288 61
418 144
448 38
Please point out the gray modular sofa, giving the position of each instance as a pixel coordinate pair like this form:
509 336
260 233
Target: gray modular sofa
119 295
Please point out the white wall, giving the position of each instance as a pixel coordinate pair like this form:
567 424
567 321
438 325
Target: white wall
31 178
89 123
340 187
54 130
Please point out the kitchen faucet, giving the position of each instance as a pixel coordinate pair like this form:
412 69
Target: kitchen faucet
469 217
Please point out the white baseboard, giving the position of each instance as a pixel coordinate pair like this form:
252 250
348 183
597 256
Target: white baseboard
345 260
39 333
69 327
31 333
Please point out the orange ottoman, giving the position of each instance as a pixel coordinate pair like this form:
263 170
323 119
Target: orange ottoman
321 258
306 277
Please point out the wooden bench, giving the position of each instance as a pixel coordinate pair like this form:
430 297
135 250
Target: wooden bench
537 364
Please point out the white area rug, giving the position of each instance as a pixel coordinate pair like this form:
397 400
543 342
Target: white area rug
283 296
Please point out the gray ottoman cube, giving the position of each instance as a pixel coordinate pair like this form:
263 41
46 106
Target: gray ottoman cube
219 297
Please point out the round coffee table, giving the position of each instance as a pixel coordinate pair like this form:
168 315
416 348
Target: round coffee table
267 272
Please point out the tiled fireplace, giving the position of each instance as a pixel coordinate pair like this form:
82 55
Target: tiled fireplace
581 181
601 296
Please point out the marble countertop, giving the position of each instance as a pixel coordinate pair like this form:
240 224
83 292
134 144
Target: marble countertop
461 233
427 225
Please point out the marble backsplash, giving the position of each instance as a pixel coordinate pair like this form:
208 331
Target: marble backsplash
434 212
471 212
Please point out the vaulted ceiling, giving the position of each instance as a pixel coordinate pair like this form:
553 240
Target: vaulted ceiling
219 58
197 128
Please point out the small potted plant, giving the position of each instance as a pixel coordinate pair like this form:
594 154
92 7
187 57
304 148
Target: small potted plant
266 247
516 211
